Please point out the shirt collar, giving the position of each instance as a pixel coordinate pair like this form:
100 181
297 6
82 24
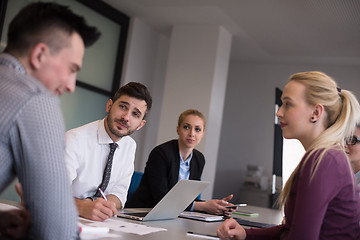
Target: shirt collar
187 160
12 62
103 136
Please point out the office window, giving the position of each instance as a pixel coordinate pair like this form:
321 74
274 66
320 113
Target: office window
102 64
287 154
292 154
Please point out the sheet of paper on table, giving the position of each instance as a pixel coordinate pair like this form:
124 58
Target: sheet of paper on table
120 225
7 207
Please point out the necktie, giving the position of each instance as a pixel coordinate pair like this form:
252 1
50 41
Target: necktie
107 171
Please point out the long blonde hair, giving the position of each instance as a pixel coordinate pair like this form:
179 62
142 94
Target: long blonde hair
342 111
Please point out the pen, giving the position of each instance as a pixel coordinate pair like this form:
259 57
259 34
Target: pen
237 205
241 205
102 194
202 235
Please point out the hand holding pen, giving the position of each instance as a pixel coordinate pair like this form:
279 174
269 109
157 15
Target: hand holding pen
98 210
103 195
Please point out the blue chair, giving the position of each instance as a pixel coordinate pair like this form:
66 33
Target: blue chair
135 182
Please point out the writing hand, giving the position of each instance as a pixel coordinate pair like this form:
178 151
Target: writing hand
98 210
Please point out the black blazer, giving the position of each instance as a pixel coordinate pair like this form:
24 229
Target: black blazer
161 174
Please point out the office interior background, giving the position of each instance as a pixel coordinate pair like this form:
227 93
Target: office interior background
224 58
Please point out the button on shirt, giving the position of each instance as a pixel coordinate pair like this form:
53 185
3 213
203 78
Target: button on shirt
87 149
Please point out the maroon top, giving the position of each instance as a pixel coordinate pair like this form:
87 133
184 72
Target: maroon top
328 207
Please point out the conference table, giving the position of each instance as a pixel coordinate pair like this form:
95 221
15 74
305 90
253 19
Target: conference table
177 229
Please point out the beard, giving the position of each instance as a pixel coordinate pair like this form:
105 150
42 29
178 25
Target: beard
115 131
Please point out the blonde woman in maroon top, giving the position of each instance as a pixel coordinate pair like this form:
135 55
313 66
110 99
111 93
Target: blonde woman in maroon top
321 197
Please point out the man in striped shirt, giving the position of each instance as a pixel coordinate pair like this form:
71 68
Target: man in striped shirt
46 43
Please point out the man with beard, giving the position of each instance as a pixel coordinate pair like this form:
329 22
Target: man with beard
100 174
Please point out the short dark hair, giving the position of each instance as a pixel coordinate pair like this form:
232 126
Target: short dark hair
47 22
135 90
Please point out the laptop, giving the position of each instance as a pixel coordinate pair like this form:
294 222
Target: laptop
172 204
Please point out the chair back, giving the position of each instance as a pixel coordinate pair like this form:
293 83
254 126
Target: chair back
135 182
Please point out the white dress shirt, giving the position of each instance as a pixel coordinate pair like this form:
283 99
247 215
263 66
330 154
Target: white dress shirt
87 149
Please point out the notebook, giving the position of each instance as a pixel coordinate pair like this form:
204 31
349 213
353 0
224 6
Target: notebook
253 223
201 216
244 213
172 204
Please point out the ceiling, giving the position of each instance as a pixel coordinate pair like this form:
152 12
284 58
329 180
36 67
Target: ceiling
276 31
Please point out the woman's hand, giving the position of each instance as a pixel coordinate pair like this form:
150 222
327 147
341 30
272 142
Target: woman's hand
232 230
215 206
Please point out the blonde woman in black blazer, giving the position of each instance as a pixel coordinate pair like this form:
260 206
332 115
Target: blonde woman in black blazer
162 169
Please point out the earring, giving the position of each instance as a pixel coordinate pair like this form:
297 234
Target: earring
313 121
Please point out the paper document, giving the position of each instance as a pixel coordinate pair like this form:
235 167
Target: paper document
7 207
125 226
93 236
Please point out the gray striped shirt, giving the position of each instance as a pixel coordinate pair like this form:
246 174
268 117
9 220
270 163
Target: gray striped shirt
32 148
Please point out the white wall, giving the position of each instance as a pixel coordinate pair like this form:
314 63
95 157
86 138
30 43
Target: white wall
248 122
196 78
145 62
247 130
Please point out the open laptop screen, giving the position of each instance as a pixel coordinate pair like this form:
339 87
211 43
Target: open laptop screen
174 202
